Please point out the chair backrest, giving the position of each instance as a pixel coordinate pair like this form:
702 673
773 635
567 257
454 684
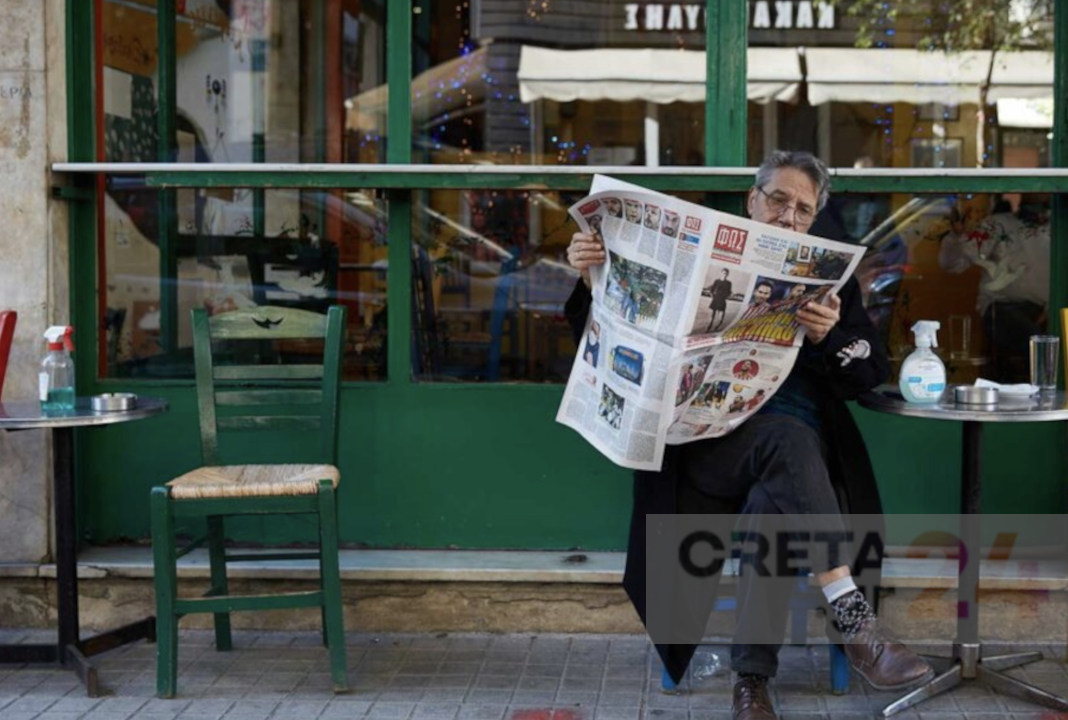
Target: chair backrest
8 318
259 396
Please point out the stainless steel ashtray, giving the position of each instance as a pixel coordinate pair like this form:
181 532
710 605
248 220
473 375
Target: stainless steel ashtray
971 395
111 402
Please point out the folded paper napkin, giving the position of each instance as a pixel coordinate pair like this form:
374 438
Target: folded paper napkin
1019 390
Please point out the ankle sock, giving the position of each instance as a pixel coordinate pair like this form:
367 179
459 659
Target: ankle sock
757 677
852 612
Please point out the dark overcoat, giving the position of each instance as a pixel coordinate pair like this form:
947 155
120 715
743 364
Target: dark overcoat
847 363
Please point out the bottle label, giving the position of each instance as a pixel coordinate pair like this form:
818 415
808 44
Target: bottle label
42 386
925 391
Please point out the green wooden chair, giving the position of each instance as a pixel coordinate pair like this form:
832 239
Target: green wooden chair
242 397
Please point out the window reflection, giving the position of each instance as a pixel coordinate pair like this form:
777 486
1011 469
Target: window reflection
490 278
256 81
490 282
551 83
978 264
928 84
319 248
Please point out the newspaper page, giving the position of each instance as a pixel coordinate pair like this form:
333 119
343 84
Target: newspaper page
693 325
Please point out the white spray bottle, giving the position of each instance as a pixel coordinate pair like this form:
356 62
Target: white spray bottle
923 376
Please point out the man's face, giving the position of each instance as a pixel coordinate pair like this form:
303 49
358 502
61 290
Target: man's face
761 294
724 275
778 202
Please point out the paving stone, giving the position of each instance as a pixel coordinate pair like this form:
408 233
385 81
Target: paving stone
618 713
477 696
465 677
435 711
390 711
476 711
666 714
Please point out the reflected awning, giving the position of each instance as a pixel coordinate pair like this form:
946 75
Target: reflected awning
1027 74
1034 113
660 76
917 77
451 87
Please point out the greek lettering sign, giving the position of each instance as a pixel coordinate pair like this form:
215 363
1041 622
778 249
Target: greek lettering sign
763 15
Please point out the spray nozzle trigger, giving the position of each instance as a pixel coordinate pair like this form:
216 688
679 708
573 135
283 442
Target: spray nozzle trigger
926 332
59 337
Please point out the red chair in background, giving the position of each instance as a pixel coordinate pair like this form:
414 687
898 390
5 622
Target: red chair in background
7 332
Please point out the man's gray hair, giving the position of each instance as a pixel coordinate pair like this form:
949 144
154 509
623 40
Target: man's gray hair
806 162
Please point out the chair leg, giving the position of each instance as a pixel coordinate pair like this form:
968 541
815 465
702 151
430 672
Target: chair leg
166 578
219 586
839 670
330 578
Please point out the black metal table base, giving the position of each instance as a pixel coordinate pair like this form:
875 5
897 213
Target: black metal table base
70 650
968 664
75 656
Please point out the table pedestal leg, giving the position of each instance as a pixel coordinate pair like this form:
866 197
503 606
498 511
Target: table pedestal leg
967 661
69 649
74 652
969 664
946 681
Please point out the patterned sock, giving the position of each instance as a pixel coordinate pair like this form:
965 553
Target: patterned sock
753 676
852 612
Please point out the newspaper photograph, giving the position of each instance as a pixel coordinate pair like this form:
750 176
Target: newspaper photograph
693 325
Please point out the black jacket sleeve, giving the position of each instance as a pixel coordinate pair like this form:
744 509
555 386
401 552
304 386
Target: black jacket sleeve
577 309
850 358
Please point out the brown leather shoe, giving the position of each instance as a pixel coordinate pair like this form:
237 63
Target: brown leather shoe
751 699
884 662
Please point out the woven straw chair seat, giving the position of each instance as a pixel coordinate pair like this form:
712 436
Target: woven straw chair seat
234 481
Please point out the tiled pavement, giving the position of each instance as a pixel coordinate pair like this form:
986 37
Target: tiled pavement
461 677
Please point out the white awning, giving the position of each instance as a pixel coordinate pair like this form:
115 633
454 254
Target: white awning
893 75
1025 113
660 76
913 76
1027 74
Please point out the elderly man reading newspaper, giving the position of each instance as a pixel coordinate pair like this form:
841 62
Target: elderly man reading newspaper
797 455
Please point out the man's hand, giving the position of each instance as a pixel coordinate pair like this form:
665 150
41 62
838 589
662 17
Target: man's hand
818 319
584 252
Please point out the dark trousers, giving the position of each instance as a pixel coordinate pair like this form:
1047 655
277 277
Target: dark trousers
771 465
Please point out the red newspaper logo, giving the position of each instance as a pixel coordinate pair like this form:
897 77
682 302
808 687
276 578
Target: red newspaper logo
730 240
693 225
590 207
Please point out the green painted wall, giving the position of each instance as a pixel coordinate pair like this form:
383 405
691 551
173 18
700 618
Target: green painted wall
487 467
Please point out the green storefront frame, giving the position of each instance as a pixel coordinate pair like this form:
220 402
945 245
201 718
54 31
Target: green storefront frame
485 466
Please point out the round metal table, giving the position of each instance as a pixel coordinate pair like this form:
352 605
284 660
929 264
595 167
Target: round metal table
70 650
967 662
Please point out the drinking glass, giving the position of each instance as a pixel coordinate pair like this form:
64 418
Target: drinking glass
960 335
1044 360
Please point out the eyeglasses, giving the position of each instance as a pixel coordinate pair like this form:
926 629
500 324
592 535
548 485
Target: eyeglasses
779 204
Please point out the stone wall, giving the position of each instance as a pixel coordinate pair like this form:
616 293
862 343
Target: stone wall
33 250
912 613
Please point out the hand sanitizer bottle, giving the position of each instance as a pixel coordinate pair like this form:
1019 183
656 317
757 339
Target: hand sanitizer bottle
923 376
56 379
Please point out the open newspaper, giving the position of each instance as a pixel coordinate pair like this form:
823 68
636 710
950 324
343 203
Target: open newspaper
693 325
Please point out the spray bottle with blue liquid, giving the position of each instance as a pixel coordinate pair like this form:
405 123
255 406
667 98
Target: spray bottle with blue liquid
923 376
56 380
